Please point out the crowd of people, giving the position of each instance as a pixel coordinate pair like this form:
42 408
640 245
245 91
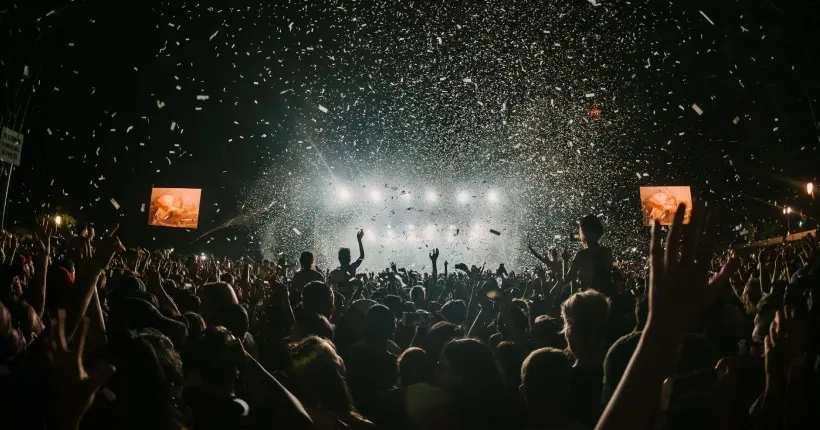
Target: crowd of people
96 335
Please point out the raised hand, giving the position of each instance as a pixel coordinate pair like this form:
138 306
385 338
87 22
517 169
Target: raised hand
106 251
74 385
42 237
785 345
679 287
360 235
434 255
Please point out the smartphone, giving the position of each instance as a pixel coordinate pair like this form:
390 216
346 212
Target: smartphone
691 389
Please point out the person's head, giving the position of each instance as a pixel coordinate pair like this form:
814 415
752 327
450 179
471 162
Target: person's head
227 278
306 260
519 319
546 380
546 332
144 393
213 359
215 296
767 308
415 366
234 318
318 298
439 335
196 325
417 294
379 324
454 311
320 373
586 317
168 357
509 356
467 371
591 229
344 257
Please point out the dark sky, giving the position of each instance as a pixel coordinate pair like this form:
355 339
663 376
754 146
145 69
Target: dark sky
97 68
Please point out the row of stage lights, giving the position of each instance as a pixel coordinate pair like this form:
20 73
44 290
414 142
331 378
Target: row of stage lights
431 196
412 233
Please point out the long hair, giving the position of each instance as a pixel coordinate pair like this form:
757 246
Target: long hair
320 373
145 397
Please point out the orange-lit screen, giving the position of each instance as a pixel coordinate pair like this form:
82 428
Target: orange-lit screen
174 207
661 202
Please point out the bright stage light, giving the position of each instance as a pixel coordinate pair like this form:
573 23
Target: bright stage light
492 196
343 193
430 231
463 197
58 220
368 234
432 196
375 195
410 227
809 188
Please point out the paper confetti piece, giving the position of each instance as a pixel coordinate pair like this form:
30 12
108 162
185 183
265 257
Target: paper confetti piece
173 125
116 205
25 71
160 104
202 97
697 109
48 130
128 130
707 18
142 208
299 233
213 35
736 120
495 232
323 109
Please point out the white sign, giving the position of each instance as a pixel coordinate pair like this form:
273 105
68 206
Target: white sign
11 145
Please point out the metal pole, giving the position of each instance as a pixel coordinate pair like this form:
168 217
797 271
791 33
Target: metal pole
6 196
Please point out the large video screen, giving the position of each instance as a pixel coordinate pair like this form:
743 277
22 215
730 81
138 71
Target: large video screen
174 207
659 203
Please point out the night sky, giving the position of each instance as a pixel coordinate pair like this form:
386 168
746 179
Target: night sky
270 108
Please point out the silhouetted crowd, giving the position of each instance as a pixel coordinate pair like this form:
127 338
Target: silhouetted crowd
97 336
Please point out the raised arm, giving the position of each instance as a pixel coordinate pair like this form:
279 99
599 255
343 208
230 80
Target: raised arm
78 297
678 291
433 259
36 294
359 237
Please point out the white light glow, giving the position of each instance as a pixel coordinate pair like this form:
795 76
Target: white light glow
375 195
343 193
410 227
492 196
406 196
463 197
432 196
809 188
58 220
